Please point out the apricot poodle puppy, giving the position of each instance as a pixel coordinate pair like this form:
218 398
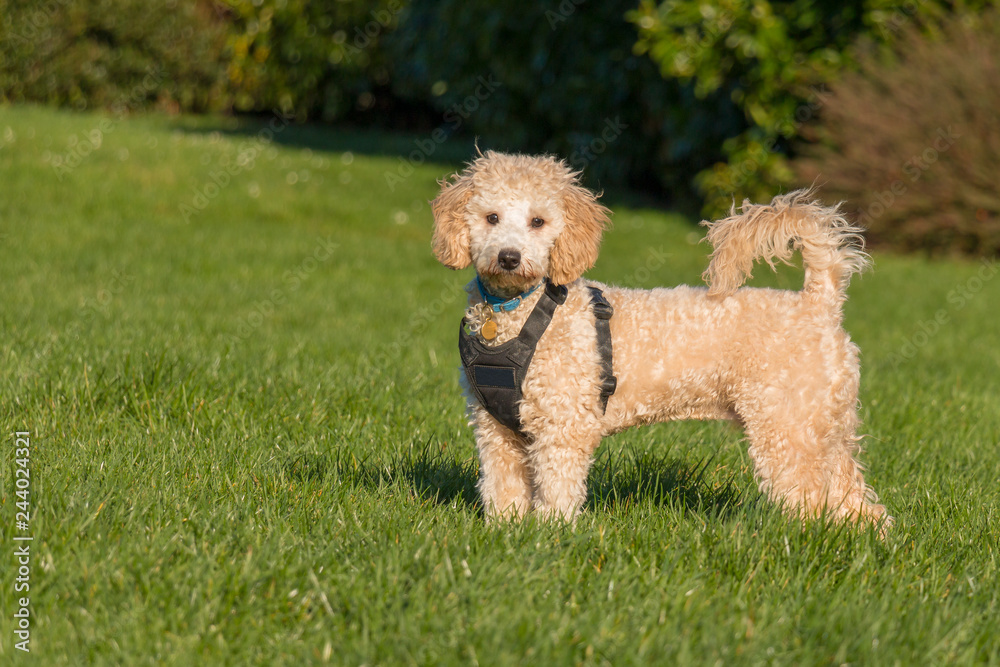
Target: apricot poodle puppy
544 384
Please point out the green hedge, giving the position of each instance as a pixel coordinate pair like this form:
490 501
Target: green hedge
669 96
768 57
559 76
316 59
119 54
776 60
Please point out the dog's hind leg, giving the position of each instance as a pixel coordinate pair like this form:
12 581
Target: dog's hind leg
504 483
804 447
812 471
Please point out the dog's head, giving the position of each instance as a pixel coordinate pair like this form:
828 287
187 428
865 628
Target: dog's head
517 219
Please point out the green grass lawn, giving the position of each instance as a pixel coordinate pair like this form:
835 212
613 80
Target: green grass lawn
248 443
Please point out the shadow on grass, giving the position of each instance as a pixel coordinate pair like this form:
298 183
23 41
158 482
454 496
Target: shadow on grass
432 475
414 146
616 482
628 478
410 148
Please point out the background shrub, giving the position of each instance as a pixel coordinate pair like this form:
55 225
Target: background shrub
564 73
774 59
671 96
318 59
912 142
125 54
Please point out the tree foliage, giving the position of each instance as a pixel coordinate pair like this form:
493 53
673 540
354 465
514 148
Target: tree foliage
775 60
318 59
121 54
717 96
560 76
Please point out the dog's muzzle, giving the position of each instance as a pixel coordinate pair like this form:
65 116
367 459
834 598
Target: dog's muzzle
509 259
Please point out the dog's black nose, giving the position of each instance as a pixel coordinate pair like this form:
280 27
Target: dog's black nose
509 259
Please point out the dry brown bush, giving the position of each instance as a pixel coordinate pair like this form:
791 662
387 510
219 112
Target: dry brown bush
912 142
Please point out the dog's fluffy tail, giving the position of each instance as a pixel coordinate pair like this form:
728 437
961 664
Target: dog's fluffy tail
832 249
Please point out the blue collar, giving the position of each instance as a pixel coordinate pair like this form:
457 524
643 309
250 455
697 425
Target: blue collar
503 305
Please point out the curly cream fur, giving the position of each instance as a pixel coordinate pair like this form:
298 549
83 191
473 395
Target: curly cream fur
778 362
451 234
832 250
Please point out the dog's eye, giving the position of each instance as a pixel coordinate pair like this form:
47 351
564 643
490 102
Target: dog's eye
493 218
537 222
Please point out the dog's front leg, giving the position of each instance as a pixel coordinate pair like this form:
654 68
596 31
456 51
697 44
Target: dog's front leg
504 484
560 460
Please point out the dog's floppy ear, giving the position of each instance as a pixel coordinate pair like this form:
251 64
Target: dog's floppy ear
451 233
575 250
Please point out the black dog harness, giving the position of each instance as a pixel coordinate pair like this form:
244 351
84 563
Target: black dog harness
496 374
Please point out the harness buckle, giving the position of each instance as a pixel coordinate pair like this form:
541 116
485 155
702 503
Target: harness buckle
508 306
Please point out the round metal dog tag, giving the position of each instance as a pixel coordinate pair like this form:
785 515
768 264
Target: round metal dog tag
489 330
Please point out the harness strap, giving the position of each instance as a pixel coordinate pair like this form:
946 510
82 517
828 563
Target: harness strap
538 320
496 373
603 312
